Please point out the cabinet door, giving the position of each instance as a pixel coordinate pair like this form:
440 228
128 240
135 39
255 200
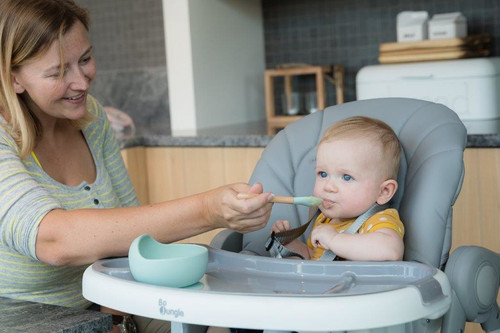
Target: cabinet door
476 212
178 172
135 161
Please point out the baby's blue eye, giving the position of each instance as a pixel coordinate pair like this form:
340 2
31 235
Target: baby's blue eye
346 178
322 174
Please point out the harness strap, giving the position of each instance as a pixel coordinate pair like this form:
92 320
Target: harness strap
274 243
328 255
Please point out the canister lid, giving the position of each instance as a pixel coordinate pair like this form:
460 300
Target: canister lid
462 68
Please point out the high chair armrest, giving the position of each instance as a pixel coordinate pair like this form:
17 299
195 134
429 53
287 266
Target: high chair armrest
474 275
228 240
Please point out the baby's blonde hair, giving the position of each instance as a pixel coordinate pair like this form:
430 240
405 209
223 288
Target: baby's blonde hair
27 29
377 130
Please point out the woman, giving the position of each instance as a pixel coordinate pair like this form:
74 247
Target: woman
59 162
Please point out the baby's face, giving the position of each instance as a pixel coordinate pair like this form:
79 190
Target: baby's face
348 177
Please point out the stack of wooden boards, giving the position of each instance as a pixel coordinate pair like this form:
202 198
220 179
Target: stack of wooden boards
436 49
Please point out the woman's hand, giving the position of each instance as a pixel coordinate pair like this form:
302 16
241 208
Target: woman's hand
225 210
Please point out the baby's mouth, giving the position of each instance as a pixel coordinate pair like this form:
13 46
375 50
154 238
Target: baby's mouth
328 203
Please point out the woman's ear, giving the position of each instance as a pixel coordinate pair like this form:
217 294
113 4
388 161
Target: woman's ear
387 191
18 87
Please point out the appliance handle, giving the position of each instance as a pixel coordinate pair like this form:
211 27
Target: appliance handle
418 77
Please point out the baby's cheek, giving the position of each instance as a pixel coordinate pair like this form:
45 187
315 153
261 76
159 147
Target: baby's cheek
316 191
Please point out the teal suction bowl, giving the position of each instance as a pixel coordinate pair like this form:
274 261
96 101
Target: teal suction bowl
169 265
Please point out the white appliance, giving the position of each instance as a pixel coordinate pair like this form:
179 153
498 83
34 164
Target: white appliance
470 87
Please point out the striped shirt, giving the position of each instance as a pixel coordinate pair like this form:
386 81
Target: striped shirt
27 194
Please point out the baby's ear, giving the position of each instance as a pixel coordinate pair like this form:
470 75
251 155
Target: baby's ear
387 190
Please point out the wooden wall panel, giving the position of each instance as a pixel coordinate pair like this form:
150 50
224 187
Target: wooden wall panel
239 163
476 213
204 169
165 174
134 159
179 171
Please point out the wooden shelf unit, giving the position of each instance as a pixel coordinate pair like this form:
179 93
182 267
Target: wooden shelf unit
276 122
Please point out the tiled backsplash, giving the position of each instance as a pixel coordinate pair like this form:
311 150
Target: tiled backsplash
129 47
141 93
126 34
348 32
129 43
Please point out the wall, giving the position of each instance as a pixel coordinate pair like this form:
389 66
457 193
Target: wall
129 47
215 60
348 32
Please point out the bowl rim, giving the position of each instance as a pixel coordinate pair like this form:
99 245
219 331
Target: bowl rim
200 250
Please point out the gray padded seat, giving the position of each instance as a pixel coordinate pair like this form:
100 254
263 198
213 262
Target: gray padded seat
433 140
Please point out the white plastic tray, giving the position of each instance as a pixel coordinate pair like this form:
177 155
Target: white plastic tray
244 291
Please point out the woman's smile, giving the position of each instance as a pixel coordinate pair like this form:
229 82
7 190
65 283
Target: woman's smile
77 99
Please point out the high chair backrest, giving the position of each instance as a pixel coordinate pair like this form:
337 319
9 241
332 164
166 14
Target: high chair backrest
433 140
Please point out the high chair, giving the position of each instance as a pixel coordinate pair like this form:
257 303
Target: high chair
433 140
244 288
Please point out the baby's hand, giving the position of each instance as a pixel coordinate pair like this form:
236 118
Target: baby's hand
323 235
280 225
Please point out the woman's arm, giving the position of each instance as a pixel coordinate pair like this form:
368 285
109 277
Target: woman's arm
82 236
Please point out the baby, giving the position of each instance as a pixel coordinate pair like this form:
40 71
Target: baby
357 163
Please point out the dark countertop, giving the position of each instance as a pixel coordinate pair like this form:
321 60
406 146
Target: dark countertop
482 134
26 317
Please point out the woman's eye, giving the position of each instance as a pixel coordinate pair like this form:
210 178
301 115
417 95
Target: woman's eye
346 178
85 60
322 174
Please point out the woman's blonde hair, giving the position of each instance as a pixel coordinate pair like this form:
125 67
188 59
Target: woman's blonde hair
27 29
373 129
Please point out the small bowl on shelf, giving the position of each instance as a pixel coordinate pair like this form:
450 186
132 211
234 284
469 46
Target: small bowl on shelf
168 265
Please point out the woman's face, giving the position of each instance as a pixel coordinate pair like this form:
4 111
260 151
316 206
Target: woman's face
46 92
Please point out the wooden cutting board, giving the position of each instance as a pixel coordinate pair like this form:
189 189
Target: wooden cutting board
398 57
470 41
426 51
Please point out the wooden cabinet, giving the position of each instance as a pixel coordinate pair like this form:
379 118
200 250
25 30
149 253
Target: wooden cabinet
160 174
476 213
276 122
168 173
135 162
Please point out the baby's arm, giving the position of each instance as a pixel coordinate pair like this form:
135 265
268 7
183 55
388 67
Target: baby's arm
296 245
382 244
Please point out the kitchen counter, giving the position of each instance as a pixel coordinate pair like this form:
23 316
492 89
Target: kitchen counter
482 134
26 317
